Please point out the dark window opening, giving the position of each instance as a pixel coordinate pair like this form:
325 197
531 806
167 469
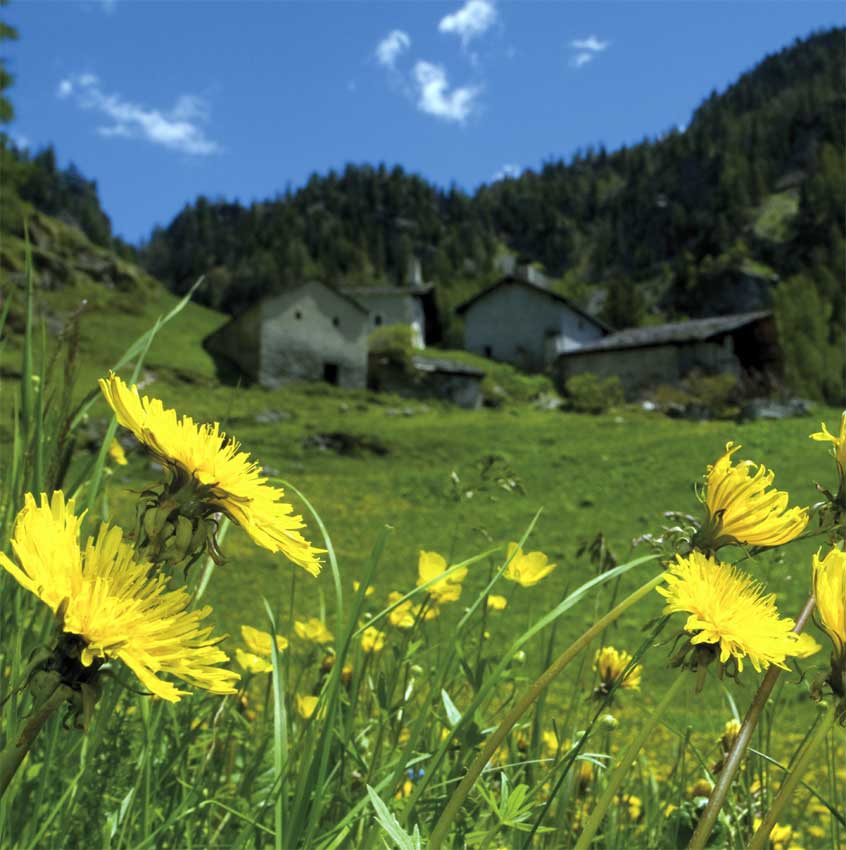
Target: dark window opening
330 373
336 321
488 351
377 320
298 314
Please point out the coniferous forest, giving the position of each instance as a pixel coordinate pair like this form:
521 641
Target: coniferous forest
748 197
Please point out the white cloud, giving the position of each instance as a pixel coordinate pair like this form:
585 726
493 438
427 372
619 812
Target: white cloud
177 129
473 19
391 46
507 170
435 98
591 43
581 59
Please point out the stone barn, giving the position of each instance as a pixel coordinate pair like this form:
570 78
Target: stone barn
741 344
391 305
311 332
525 324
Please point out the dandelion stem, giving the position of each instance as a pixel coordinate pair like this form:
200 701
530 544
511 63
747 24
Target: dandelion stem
761 837
738 750
16 749
624 764
522 706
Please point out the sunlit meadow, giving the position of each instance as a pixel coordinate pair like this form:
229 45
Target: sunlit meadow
456 644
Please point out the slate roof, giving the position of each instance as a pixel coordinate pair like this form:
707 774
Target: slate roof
387 290
693 330
533 287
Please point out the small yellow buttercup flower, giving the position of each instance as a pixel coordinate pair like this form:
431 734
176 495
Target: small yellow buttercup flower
369 590
108 605
372 640
253 663
220 477
259 642
610 663
406 614
429 566
728 612
631 805
741 510
314 630
550 743
527 569
497 603
781 835
306 705
117 454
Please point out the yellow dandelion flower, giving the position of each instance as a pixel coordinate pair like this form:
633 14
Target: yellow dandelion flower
117 454
227 480
728 611
830 594
404 736
258 642
838 450
527 569
584 773
109 606
372 640
429 566
306 705
497 603
253 663
742 511
610 663
314 630
404 790
369 591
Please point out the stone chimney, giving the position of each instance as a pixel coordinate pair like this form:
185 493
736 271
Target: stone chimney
414 275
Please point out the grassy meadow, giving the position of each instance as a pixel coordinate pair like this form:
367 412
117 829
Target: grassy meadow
390 477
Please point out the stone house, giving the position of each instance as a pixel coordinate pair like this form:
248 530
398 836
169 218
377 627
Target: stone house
309 332
744 344
391 305
523 323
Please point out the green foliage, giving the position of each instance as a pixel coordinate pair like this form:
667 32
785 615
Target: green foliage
7 32
394 343
588 393
814 352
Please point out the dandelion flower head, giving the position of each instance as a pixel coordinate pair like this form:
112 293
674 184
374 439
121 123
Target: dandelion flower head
610 663
231 482
741 508
728 611
838 450
108 602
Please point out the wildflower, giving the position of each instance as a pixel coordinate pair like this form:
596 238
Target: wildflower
497 603
584 774
610 664
829 578
108 607
406 614
742 511
631 805
306 705
207 474
838 450
448 589
727 613
117 454
253 663
550 743
369 590
314 630
781 836
372 640
527 570
259 642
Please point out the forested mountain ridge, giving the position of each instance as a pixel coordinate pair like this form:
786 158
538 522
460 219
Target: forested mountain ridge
701 220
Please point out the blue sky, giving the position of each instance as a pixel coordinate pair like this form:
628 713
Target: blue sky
162 101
